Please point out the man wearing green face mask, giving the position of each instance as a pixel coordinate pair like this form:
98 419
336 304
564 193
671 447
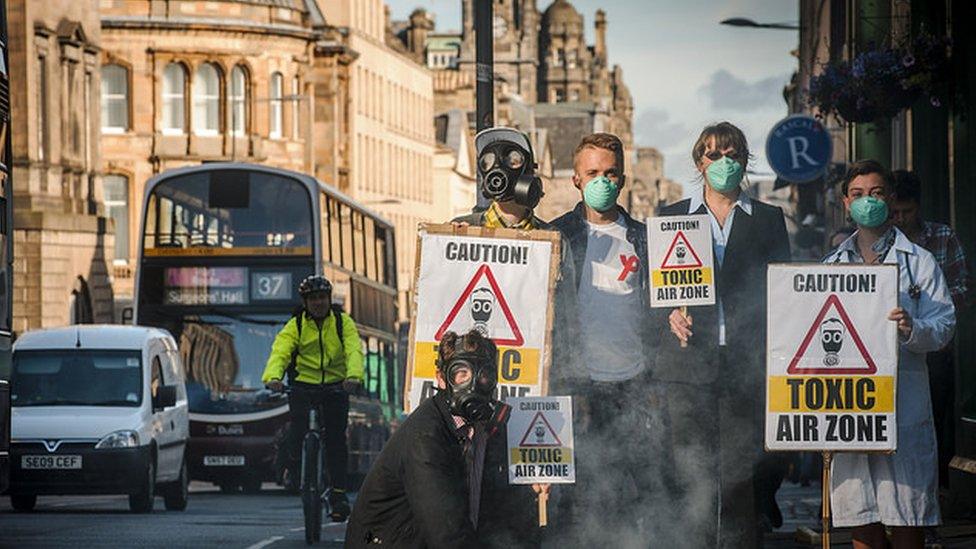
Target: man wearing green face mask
621 402
872 491
715 384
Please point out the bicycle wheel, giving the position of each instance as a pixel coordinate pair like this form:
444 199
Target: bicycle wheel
311 489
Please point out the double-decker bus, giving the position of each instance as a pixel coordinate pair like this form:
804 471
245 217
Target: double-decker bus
223 249
6 252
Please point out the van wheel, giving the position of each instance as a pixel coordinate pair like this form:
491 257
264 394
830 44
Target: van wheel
23 503
176 494
142 501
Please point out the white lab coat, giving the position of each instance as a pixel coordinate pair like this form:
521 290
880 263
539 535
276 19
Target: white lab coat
901 489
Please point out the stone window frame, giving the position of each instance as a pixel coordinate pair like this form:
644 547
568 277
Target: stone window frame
246 98
128 186
127 96
218 68
185 97
276 114
42 55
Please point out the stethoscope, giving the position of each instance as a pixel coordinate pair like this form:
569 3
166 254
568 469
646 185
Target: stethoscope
914 290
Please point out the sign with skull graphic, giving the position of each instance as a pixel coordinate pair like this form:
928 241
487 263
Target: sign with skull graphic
680 261
832 357
499 282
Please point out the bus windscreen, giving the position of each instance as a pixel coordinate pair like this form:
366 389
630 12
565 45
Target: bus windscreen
228 212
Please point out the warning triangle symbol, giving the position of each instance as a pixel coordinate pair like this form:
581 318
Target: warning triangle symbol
832 338
516 339
540 433
680 254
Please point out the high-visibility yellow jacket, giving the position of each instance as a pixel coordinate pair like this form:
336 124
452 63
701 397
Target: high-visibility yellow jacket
322 357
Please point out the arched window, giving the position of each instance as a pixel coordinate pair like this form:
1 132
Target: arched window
276 93
117 206
206 100
238 98
115 99
174 109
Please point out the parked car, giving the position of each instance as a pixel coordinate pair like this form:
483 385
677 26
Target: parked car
98 410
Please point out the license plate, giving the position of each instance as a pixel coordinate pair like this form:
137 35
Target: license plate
223 461
50 462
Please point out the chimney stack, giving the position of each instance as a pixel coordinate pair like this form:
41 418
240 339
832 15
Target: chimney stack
420 25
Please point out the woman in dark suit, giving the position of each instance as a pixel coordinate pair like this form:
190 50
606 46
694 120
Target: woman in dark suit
715 384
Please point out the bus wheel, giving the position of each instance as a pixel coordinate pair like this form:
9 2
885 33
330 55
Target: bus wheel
251 485
23 504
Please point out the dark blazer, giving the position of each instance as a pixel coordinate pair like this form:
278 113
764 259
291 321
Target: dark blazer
756 241
415 494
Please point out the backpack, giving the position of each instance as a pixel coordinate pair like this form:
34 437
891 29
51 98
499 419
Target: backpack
292 371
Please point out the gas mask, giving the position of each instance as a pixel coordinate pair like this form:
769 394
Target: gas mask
832 339
472 396
506 167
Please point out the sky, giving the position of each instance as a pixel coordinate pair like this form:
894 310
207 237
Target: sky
684 69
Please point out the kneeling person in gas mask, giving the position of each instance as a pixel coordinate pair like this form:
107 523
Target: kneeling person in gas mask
425 488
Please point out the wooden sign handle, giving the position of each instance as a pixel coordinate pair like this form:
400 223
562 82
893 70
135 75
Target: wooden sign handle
543 513
684 312
825 508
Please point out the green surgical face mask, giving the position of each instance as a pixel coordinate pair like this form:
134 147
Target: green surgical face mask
724 174
869 211
601 193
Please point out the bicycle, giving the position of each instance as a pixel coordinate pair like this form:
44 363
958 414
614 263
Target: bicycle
315 498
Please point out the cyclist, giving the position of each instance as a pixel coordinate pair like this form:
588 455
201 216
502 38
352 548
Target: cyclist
320 350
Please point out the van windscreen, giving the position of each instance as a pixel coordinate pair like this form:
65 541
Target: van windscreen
76 378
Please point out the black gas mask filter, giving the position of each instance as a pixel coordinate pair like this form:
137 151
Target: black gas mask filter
473 397
506 167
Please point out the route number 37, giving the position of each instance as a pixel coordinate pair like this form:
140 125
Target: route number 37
274 286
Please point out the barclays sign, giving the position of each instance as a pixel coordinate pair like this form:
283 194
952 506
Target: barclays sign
798 148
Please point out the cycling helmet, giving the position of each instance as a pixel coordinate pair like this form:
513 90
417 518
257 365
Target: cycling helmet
313 284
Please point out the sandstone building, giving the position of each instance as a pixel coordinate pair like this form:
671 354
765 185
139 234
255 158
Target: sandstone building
62 241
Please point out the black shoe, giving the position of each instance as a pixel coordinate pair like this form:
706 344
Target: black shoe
339 505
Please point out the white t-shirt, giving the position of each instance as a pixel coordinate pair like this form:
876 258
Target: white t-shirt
609 305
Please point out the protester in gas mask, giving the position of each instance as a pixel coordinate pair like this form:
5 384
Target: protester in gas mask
715 385
623 404
898 490
506 176
436 482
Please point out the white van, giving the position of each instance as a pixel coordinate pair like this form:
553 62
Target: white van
98 410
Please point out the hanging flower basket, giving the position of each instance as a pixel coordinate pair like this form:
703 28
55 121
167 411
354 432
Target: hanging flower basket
879 83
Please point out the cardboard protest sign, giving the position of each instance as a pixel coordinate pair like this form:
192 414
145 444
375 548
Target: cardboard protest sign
540 441
680 260
832 357
498 281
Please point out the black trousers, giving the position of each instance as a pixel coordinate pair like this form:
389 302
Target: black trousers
717 442
622 475
333 403
942 388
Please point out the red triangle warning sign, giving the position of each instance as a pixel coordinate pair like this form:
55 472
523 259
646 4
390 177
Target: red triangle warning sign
833 332
540 433
680 254
482 307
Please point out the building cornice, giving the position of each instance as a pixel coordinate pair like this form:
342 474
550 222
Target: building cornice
183 24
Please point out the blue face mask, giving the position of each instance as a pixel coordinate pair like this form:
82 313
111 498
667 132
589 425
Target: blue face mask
724 174
601 193
868 211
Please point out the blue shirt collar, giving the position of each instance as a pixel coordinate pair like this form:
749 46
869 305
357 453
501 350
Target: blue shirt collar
698 200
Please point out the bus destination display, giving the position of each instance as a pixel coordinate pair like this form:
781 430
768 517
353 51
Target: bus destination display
205 286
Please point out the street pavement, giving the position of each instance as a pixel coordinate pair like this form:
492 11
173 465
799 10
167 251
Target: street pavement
272 518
